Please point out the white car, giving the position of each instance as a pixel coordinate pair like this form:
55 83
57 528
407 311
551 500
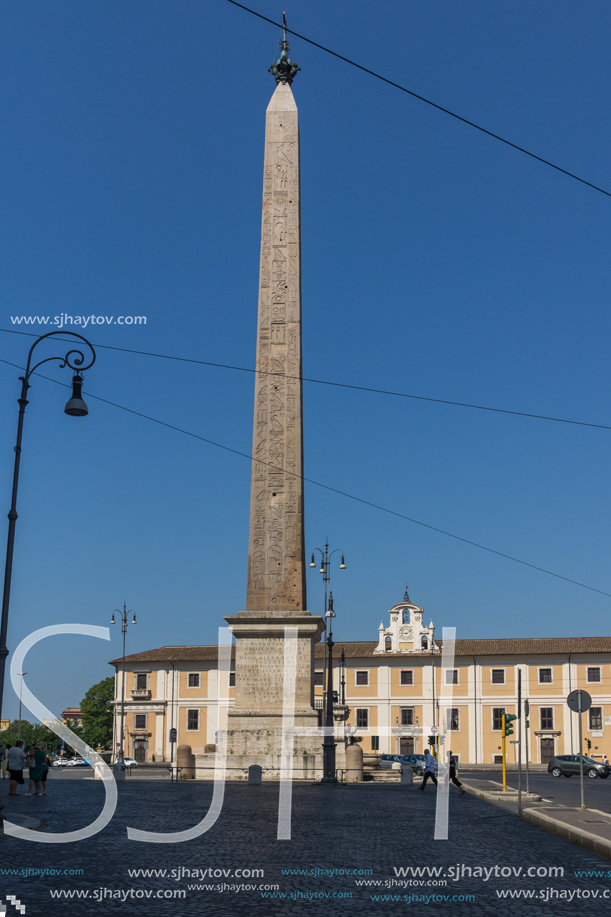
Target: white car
130 762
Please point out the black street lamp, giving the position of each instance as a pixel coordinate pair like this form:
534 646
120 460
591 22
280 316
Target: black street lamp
328 746
325 569
342 666
75 407
21 674
120 762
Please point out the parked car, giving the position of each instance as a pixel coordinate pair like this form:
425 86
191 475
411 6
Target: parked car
59 762
78 762
415 761
567 765
128 762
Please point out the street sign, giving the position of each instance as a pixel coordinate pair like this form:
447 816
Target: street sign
434 730
579 701
574 699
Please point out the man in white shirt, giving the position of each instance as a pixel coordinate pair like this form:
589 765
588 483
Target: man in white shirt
15 765
429 769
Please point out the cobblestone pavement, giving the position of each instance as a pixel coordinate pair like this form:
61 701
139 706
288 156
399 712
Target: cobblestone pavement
377 828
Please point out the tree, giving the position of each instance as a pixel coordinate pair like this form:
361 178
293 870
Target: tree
31 733
96 710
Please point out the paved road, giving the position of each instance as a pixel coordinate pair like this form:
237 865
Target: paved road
377 828
561 790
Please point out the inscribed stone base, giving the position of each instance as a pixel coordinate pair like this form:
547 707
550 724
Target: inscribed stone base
305 767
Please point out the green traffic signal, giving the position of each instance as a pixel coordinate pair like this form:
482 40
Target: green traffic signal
508 723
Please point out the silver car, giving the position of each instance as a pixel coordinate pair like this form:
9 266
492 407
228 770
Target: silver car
567 765
414 761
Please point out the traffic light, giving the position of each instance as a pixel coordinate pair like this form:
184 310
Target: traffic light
589 744
431 741
508 719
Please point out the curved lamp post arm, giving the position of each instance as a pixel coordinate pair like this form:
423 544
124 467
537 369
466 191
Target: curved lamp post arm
76 363
76 360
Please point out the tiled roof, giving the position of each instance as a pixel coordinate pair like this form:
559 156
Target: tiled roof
174 654
517 646
511 646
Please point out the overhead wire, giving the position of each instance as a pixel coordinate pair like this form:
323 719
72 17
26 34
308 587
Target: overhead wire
421 98
347 385
328 487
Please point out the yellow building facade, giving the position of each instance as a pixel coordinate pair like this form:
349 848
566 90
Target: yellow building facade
400 690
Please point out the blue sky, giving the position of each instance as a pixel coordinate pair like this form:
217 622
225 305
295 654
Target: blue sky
436 262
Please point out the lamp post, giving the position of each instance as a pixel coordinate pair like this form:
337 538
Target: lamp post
325 569
21 674
342 666
328 746
75 407
119 764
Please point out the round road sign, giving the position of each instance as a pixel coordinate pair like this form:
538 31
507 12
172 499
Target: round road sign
579 698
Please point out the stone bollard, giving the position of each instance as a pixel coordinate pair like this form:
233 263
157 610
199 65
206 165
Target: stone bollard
407 775
254 774
354 764
185 762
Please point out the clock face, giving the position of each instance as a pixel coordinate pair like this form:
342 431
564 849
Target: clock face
406 633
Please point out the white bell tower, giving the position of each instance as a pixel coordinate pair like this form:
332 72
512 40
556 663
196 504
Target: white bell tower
406 633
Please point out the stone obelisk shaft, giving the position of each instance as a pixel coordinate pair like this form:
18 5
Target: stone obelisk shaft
276 573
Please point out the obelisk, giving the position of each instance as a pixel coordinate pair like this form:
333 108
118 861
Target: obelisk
276 591
276 574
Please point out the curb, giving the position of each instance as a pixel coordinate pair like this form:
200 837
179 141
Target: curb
500 796
578 836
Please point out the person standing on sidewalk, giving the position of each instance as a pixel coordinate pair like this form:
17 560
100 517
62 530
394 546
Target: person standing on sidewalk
429 769
38 756
16 762
5 763
453 776
45 774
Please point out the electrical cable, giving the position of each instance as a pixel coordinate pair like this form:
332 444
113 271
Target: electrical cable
328 487
358 388
446 111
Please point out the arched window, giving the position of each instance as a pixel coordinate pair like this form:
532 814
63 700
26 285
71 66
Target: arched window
406 616
388 644
424 643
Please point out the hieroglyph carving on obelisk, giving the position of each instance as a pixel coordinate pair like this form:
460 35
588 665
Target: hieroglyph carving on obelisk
276 574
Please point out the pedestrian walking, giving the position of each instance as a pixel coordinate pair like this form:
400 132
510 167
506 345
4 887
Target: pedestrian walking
37 756
605 759
16 763
429 769
453 776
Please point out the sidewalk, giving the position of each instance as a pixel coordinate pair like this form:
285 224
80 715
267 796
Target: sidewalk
588 828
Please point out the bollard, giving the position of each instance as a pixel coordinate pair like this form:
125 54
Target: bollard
354 764
254 774
407 775
185 761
